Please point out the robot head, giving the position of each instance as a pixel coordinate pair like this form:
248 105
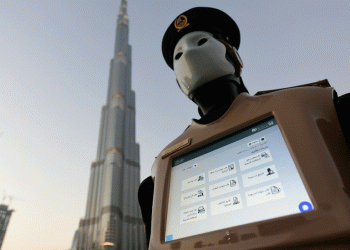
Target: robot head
201 46
199 58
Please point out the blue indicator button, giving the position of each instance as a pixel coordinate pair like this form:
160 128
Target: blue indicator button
305 206
169 237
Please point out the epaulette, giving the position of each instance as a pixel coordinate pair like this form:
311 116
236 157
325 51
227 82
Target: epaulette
322 83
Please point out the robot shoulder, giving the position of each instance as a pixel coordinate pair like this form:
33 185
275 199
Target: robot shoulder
322 83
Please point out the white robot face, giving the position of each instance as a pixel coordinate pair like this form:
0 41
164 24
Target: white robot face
198 59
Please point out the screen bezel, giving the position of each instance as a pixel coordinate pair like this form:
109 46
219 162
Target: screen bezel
211 141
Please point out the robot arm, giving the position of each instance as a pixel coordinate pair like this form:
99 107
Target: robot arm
342 106
145 196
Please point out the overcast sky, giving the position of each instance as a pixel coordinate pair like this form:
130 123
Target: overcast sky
54 66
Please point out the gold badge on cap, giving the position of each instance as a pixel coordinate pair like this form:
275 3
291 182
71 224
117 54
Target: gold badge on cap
181 22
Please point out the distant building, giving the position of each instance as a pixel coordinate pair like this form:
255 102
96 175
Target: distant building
5 215
113 218
75 241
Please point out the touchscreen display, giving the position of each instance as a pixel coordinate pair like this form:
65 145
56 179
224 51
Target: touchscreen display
246 177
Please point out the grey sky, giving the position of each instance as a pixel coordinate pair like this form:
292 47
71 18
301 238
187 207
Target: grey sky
54 65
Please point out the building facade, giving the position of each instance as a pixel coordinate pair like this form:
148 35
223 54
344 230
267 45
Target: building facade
75 241
5 215
112 218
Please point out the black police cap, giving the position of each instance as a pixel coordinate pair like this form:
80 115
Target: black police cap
207 19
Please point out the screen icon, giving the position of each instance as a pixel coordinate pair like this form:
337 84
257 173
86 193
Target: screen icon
231 167
200 193
265 155
169 237
201 210
233 183
235 201
252 143
275 190
305 206
270 171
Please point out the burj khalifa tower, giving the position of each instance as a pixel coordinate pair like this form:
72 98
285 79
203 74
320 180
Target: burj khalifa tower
112 218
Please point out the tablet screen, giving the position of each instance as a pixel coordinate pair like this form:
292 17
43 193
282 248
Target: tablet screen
245 177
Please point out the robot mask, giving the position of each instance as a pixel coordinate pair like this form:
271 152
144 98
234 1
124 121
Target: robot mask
198 59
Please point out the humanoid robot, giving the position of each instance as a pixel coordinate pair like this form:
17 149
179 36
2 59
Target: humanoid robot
201 46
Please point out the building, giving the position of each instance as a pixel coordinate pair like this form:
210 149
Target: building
5 215
75 241
112 218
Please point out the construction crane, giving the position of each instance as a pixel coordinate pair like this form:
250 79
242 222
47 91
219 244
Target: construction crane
3 198
10 197
13 197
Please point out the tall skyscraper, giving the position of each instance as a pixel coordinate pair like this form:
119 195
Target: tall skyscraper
112 218
5 215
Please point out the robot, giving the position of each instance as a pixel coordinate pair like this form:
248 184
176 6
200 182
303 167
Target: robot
201 46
